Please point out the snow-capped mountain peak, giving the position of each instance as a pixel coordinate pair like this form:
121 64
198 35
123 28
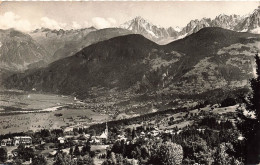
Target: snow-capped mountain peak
246 23
140 25
177 29
250 23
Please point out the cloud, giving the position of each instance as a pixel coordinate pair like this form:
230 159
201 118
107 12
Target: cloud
86 24
97 22
11 20
75 25
52 24
112 21
101 23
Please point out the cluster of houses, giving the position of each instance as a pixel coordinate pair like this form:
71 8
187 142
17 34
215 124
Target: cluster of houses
101 139
17 140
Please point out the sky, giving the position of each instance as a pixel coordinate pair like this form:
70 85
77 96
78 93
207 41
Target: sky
27 16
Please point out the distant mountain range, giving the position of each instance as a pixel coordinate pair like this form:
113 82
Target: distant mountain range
20 51
61 44
53 40
210 59
138 25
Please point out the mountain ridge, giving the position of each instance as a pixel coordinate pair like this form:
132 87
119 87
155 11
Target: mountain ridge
134 63
63 43
18 51
249 23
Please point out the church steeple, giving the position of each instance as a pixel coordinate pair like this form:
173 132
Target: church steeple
106 130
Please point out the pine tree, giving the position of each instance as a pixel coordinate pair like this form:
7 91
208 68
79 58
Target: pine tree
86 149
133 134
249 125
76 151
3 154
71 151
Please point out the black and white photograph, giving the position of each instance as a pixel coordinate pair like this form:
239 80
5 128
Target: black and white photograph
129 83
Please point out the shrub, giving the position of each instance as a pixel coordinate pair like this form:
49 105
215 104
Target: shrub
167 153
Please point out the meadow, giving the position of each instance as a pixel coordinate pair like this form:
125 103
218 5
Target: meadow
23 111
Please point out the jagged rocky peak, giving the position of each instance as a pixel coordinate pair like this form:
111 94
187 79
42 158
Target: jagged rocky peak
174 29
138 24
140 19
226 21
250 23
195 25
141 26
131 25
255 19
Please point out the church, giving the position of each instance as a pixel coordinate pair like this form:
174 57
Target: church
104 134
102 138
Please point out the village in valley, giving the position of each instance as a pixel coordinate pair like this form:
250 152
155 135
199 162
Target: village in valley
95 142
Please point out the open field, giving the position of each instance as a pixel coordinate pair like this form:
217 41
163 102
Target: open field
48 120
20 100
55 112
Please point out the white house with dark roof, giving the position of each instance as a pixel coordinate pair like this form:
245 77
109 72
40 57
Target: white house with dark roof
17 140
6 142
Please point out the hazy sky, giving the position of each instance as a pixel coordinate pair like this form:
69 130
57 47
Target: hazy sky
30 15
